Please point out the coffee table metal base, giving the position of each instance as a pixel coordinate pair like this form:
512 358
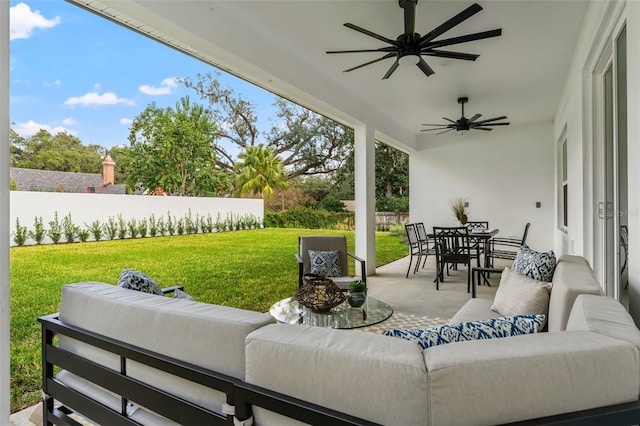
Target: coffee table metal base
343 316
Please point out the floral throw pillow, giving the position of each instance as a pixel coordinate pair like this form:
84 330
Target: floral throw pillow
136 280
471 330
536 265
325 263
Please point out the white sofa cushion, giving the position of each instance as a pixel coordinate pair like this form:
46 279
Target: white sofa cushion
573 276
363 374
603 315
208 336
473 383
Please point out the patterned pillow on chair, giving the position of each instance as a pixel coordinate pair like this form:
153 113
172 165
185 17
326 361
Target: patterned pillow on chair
471 330
136 280
536 265
325 263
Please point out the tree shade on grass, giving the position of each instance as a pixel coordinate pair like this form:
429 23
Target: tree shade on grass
245 269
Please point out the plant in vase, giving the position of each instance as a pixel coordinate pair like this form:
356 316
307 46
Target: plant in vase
459 210
357 294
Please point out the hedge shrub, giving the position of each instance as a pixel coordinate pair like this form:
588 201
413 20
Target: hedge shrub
309 219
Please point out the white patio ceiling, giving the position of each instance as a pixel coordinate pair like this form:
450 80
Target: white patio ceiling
280 45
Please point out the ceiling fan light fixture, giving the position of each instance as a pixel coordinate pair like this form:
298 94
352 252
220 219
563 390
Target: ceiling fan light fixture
409 59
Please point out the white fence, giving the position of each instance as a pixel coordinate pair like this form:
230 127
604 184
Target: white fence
86 208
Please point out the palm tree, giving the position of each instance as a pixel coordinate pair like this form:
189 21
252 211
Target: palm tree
259 172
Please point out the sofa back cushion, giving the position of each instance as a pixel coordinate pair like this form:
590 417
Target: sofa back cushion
374 377
573 276
208 336
603 315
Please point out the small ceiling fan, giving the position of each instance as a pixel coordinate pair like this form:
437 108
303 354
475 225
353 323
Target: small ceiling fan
413 45
464 124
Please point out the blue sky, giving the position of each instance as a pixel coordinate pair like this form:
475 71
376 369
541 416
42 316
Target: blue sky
73 71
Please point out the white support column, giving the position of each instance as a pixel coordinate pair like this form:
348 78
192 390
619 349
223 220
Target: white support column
365 190
5 316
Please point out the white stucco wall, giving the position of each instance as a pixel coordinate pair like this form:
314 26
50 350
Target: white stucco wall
502 174
85 208
575 111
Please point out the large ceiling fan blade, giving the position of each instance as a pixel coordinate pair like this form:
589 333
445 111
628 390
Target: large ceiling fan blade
474 118
438 128
491 124
422 64
393 67
387 56
463 39
482 128
452 55
460 17
371 34
488 120
424 124
448 119
444 132
382 49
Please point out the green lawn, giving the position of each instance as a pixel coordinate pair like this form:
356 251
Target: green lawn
245 269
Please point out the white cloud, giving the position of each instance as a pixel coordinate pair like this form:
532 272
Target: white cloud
93 98
166 86
30 128
126 121
69 121
56 83
23 21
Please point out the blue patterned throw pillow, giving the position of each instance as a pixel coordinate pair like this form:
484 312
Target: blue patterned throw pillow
472 330
325 263
136 280
536 265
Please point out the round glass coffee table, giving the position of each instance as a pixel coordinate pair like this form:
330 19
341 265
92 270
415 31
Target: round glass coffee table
373 311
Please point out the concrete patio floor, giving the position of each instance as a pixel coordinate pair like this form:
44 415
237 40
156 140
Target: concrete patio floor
417 294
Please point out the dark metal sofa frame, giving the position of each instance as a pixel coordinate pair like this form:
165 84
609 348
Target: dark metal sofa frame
240 396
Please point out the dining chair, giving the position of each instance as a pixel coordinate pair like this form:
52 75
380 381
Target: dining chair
428 245
416 249
475 226
453 248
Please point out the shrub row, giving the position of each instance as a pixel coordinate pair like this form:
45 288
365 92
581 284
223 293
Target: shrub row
119 227
309 219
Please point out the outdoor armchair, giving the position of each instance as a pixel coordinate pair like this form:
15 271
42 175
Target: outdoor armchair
327 256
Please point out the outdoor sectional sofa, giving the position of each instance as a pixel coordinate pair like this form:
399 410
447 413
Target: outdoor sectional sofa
184 362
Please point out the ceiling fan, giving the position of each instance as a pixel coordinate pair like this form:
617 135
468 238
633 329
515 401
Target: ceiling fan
464 124
413 45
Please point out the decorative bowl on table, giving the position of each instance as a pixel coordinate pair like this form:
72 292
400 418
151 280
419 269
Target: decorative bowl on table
319 294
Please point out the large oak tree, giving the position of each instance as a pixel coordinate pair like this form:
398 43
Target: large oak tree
306 142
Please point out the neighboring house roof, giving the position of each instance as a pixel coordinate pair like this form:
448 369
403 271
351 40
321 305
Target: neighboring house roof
52 181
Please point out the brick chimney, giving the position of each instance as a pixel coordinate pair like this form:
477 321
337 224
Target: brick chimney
108 171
